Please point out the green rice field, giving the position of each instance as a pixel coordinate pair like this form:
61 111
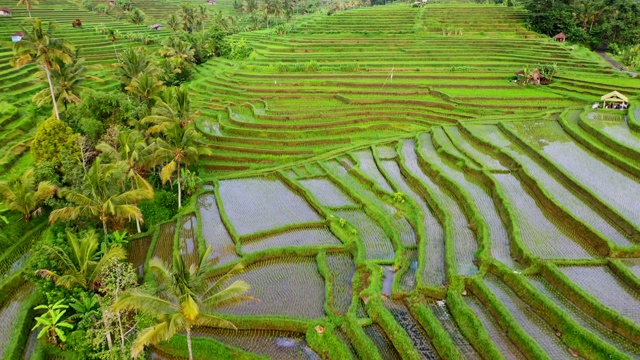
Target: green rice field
382 177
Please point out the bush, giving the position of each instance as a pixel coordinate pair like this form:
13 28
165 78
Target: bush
52 138
163 207
108 108
240 50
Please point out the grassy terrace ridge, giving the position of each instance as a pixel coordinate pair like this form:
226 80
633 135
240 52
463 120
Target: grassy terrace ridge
391 191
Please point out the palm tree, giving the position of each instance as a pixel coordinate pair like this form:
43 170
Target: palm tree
113 34
68 83
250 6
131 148
202 14
104 199
173 22
133 63
80 265
173 108
189 17
176 47
147 88
38 46
28 4
178 145
24 197
83 265
136 16
186 300
277 9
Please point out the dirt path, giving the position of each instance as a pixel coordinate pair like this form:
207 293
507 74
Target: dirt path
615 64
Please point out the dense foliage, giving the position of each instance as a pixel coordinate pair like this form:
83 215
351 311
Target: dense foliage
592 22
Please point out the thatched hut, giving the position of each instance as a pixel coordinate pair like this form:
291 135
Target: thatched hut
560 37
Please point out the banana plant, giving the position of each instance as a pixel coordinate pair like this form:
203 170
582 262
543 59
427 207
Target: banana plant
52 323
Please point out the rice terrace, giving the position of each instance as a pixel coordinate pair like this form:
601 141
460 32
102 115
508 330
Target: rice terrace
313 179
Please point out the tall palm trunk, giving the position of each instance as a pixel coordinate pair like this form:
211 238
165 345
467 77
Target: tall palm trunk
115 50
122 340
106 328
136 204
53 95
29 9
179 189
104 227
189 342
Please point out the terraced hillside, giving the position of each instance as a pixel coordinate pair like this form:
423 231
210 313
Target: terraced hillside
450 212
394 194
376 73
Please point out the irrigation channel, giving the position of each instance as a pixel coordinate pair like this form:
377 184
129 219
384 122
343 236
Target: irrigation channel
389 189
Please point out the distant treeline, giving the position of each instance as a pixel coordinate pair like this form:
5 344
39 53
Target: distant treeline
590 22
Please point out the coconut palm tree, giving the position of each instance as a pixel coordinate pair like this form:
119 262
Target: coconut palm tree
113 35
185 301
23 196
175 47
173 108
80 265
177 146
173 22
203 15
147 88
104 198
38 46
136 16
132 149
189 17
68 83
28 3
134 62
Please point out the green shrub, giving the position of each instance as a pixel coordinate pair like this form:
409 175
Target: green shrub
163 207
52 137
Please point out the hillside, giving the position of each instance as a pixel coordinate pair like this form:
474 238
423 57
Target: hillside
391 190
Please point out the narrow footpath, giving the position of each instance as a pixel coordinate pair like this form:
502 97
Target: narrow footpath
615 64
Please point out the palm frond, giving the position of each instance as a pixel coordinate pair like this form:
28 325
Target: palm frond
219 284
150 336
168 170
160 270
231 294
76 197
210 320
133 196
143 301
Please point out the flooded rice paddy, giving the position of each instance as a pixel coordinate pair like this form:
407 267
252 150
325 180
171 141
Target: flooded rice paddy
339 218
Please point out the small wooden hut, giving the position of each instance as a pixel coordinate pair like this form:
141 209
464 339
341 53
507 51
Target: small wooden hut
615 100
560 37
156 27
5 11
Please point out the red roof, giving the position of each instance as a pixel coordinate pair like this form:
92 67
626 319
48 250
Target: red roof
19 33
560 36
6 10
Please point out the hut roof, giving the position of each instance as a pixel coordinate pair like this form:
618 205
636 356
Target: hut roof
19 33
614 96
5 10
560 36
